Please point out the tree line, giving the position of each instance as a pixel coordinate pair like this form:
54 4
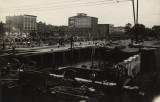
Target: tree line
142 32
137 31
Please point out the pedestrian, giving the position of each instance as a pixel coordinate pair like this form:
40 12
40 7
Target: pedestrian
95 43
3 45
13 49
93 76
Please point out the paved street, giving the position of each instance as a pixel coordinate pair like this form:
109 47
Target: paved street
83 44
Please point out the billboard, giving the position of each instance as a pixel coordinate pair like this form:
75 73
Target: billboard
82 22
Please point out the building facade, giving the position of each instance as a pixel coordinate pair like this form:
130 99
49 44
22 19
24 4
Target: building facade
82 24
29 22
102 31
116 30
82 21
21 24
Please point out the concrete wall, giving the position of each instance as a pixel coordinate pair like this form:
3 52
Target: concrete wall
150 59
63 58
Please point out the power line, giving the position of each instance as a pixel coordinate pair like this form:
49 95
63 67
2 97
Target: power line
72 6
137 11
45 4
60 5
88 4
41 4
141 16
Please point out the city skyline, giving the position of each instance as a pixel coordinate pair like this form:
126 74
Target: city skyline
107 11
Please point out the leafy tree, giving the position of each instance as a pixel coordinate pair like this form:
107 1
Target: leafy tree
2 30
156 30
138 30
148 32
127 28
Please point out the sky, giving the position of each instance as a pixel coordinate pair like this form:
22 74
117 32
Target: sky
56 12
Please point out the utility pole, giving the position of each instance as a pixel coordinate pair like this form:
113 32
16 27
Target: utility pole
9 27
107 34
92 56
135 19
134 12
137 11
71 50
137 23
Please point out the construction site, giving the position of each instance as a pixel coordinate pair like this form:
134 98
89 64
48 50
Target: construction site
81 73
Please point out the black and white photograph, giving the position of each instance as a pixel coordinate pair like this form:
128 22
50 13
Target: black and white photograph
79 50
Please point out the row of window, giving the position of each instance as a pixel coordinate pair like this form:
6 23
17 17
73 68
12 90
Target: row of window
29 28
30 20
30 24
83 20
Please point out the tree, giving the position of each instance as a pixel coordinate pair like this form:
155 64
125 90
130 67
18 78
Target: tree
149 32
138 30
127 28
2 30
156 30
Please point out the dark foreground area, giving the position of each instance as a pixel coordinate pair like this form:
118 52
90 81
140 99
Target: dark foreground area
147 83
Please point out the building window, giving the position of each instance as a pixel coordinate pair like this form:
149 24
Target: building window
25 19
34 20
31 20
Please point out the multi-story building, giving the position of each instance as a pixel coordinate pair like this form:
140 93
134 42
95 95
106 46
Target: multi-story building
30 22
82 24
21 24
82 21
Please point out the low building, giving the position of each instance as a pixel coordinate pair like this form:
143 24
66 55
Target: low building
102 31
116 30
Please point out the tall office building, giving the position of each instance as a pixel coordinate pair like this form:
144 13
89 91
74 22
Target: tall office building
21 24
88 26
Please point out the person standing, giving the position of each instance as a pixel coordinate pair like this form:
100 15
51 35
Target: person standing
3 45
93 76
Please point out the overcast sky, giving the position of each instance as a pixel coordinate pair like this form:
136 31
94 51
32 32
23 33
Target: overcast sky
56 12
